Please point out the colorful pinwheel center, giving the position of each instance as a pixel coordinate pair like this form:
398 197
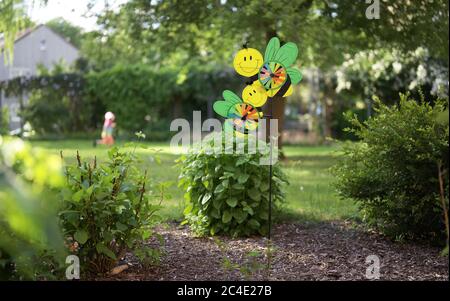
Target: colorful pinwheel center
272 75
244 117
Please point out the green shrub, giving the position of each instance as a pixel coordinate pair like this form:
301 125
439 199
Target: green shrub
107 210
56 104
146 92
228 193
393 171
4 121
31 245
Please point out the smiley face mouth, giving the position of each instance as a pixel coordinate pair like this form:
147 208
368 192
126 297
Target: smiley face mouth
249 68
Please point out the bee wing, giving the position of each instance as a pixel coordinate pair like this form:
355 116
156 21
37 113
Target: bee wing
223 108
272 48
287 54
295 75
229 96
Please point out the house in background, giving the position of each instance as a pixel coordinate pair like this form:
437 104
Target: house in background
33 47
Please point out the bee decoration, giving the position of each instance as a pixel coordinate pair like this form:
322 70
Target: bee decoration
274 71
240 116
268 76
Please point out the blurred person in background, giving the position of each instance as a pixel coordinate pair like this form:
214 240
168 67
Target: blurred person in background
107 131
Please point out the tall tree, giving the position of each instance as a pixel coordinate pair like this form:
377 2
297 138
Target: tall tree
74 34
209 31
402 23
12 19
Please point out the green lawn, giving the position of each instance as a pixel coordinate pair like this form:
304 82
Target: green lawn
310 196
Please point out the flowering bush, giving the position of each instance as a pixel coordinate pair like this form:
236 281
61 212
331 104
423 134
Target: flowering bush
386 72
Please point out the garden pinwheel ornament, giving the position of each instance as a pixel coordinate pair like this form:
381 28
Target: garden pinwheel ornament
269 76
242 117
274 71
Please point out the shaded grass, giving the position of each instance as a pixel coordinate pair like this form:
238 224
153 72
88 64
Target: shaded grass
310 196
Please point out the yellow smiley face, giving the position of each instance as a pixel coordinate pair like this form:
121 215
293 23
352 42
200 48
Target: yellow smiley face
255 94
247 62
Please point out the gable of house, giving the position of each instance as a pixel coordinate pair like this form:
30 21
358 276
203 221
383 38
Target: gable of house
38 46
32 47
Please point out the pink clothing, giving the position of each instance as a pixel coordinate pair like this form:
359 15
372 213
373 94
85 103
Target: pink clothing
108 123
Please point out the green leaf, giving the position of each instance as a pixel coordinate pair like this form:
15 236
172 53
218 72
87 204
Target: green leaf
188 209
215 213
254 194
108 236
217 203
232 202
287 54
238 186
264 186
102 249
239 215
71 216
249 210
243 178
295 75
226 217
272 48
241 160
206 198
121 227
254 224
263 215
81 236
77 196
220 188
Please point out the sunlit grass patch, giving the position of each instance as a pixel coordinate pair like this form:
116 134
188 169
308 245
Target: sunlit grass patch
310 196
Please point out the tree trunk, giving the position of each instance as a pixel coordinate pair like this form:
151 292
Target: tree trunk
177 107
329 106
277 107
74 107
20 113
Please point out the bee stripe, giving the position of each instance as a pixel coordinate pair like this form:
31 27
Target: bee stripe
284 88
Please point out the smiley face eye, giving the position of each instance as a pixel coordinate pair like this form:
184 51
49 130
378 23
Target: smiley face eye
250 58
250 94
245 58
254 91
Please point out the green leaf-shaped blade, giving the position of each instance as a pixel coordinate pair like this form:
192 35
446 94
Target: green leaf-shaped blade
272 48
232 202
231 97
81 236
102 249
222 107
295 75
226 217
287 54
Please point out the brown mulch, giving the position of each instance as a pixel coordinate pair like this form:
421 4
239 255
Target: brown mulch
327 251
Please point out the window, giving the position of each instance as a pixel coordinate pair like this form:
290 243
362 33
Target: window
43 46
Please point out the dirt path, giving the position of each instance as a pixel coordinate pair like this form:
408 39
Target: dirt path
332 251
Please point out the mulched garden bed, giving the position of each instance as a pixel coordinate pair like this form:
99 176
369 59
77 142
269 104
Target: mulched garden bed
326 251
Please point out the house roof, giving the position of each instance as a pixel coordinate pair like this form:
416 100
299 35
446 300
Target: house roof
23 33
